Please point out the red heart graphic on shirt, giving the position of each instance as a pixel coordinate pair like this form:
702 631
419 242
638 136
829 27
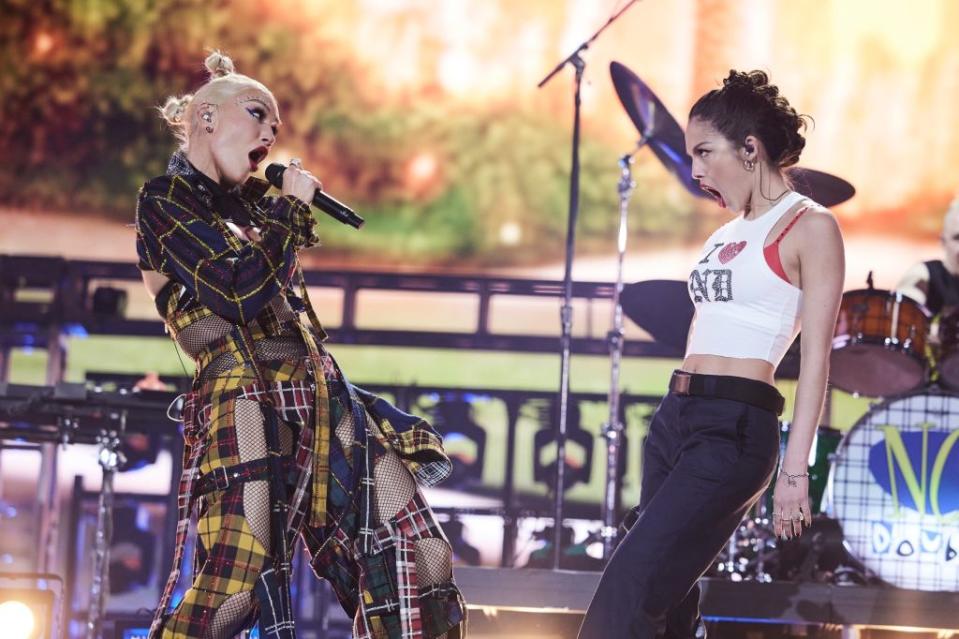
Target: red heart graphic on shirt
731 250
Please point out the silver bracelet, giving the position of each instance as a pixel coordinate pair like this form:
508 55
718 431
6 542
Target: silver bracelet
791 479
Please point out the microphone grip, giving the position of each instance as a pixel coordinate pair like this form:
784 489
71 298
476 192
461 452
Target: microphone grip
326 203
336 209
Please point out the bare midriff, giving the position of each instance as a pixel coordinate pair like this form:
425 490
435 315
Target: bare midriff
758 369
154 281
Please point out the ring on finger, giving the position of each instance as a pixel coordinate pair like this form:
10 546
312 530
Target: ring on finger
296 162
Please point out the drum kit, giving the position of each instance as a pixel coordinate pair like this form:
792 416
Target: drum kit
894 482
885 494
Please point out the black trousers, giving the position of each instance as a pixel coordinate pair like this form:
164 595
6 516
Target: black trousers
705 462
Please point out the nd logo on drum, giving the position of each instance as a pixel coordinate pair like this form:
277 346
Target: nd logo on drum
919 469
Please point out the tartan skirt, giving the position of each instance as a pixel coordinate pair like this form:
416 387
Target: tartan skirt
371 566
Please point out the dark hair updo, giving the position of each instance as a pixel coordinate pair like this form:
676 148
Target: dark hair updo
747 104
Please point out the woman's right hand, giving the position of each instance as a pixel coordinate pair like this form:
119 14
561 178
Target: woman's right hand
300 183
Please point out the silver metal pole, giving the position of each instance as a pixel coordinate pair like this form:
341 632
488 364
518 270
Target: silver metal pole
566 322
5 354
566 312
110 459
48 506
613 428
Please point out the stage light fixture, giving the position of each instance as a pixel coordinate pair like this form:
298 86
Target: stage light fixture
17 620
28 605
25 614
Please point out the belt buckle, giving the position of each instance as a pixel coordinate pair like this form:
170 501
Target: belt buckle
221 479
681 383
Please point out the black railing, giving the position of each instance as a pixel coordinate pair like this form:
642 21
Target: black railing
70 289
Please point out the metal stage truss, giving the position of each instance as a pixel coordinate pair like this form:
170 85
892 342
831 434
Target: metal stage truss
72 292
42 297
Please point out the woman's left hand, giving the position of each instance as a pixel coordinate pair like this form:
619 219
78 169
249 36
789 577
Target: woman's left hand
791 506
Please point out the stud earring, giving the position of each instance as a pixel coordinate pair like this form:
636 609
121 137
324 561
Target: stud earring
749 165
209 129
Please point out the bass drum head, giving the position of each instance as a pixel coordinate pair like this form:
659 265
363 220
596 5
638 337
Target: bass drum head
894 487
949 371
875 370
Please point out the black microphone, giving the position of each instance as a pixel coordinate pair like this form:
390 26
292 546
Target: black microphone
331 206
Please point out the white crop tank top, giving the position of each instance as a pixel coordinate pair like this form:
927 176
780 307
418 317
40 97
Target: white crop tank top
743 308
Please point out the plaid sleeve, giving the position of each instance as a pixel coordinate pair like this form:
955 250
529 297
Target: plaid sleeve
176 238
303 222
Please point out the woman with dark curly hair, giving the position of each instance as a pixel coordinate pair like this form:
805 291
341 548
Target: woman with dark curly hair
278 443
713 442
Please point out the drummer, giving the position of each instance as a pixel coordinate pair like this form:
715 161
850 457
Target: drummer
935 283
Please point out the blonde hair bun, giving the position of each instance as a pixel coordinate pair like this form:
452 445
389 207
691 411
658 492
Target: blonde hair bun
219 64
224 81
175 108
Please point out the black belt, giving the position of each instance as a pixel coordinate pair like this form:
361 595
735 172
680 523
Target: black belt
223 477
739 389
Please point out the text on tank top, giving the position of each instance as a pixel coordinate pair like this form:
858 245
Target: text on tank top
745 306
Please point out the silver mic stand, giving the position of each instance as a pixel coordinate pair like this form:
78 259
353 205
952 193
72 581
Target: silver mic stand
566 310
110 458
613 428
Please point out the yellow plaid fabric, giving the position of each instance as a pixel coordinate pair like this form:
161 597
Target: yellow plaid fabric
182 235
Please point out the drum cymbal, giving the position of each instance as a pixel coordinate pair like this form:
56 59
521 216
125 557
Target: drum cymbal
657 127
826 189
662 308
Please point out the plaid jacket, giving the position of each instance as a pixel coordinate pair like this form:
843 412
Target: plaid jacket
181 235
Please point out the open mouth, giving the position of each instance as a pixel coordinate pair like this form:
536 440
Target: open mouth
713 193
256 156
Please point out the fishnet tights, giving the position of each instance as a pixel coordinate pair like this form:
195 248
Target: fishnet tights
279 348
268 349
394 486
394 489
251 442
282 309
231 616
219 367
198 335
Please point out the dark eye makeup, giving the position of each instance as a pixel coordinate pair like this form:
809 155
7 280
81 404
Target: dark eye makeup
260 114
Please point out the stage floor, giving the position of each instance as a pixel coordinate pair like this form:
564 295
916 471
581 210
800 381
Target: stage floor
562 591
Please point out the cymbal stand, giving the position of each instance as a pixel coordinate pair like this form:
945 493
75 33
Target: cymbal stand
613 428
566 311
110 459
